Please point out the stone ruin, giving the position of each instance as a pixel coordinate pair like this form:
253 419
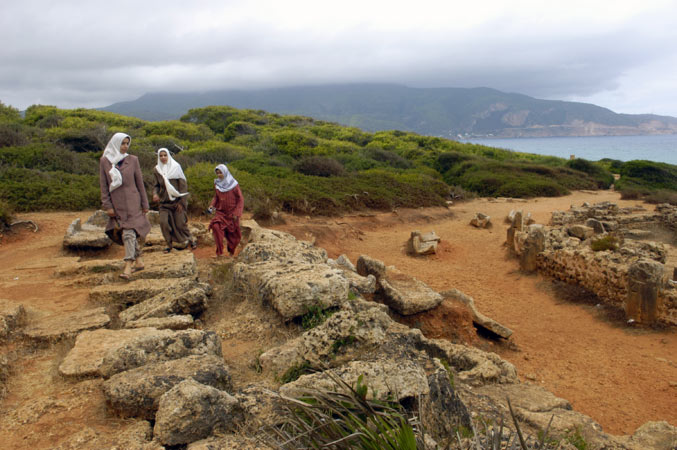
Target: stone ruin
167 375
628 273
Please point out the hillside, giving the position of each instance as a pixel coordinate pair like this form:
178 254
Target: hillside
444 112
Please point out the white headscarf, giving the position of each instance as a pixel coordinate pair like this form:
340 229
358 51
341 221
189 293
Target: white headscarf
228 181
112 153
170 171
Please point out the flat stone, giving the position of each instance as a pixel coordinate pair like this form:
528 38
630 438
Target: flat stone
478 318
157 265
407 295
422 243
62 326
12 316
85 236
163 323
107 352
136 291
172 301
137 392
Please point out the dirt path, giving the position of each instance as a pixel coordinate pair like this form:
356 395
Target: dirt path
621 377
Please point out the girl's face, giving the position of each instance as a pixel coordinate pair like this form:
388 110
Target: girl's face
219 174
163 157
124 146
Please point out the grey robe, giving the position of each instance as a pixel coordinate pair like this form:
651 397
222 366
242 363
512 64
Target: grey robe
128 200
174 224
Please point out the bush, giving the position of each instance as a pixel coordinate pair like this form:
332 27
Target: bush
6 215
11 135
320 166
608 242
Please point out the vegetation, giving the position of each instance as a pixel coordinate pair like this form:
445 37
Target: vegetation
608 242
49 161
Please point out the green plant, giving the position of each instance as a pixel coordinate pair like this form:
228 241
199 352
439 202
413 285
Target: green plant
608 242
450 372
315 316
344 418
295 371
340 343
575 438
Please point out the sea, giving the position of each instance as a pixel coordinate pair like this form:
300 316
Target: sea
658 148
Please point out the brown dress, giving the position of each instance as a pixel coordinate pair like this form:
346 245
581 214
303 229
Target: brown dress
226 222
173 218
129 200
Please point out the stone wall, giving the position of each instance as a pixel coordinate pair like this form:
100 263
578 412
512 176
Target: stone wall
563 251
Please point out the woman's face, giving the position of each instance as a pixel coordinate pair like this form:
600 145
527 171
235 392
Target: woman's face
219 174
124 146
163 157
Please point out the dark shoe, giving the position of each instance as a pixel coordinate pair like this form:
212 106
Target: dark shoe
167 250
193 245
138 269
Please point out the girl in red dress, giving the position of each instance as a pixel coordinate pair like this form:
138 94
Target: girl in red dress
227 204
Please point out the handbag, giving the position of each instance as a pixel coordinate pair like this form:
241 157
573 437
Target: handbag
115 233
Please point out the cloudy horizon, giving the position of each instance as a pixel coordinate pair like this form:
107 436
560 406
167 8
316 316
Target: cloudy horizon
618 55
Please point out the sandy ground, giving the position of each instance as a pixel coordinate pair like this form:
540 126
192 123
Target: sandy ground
620 376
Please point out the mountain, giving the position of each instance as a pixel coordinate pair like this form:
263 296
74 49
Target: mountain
445 112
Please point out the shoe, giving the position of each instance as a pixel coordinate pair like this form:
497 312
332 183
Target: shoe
138 269
193 245
167 250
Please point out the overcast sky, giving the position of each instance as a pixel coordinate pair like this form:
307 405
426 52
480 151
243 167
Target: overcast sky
618 54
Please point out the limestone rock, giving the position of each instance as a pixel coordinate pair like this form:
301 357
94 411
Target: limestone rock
581 232
163 323
228 442
260 405
87 236
267 245
442 411
345 262
157 265
293 288
107 352
136 291
407 295
62 326
191 411
657 435
479 319
396 379
137 392
370 266
422 244
358 283
172 301
12 316
596 225
481 221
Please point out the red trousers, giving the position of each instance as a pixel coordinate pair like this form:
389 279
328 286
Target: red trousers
228 228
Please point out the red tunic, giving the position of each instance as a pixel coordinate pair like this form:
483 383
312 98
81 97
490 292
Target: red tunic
226 222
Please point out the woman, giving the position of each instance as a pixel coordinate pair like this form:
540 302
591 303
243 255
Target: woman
124 199
170 192
228 204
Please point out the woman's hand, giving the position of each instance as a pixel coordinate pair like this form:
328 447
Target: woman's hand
110 212
156 198
145 211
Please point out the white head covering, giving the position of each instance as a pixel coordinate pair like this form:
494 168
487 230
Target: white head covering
228 181
170 171
112 153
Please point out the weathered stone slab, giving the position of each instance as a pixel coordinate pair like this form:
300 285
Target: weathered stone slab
268 245
157 265
88 236
107 352
12 316
358 283
386 379
478 318
407 295
293 288
163 323
370 266
422 243
62 326
581 232
480 220
191 411
136 291
137 392
172 301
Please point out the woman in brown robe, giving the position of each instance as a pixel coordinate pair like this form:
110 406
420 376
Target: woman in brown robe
227 204
123 197
170 192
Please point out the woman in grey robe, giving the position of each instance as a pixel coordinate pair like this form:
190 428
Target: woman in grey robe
170 192
123 197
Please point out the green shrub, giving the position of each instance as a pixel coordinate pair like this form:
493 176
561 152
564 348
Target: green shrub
319 166
12 135
6 215
608 242
315 316
295 371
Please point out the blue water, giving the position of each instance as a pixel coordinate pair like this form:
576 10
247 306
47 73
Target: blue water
659 148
